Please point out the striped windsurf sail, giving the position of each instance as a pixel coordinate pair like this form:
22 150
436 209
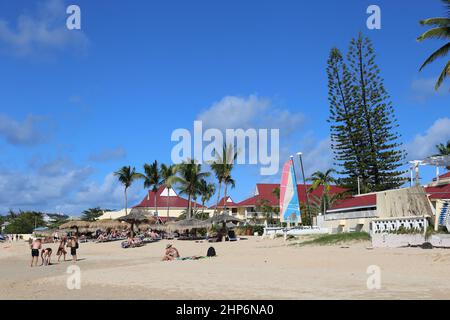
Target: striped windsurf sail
289 204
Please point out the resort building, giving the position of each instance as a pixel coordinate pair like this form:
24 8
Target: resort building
438 192
169 203
251 209
409 204
228 203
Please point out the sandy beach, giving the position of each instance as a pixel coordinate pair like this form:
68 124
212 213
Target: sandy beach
248 269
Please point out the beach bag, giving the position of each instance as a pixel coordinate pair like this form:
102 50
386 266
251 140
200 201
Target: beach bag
211 252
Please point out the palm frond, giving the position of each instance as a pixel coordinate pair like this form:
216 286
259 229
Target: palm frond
435 33
441 22
437 54
444 74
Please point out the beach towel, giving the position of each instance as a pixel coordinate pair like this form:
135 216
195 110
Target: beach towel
191 258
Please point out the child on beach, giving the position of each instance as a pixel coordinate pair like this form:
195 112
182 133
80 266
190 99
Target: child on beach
46 255
35 246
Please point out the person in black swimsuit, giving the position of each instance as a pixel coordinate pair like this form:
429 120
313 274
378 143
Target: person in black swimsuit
73 244
35 246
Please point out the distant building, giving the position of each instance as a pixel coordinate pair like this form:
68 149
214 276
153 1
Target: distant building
250 208
356 213
169 203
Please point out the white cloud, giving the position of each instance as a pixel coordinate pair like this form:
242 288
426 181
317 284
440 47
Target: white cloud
61 186
234 112
46 30
423 89
108 154
26 132
424 144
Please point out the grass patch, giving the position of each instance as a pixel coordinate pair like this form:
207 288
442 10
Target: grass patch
330 239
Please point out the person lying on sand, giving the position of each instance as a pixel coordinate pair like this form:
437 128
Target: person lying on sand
35 246
46 255
171 253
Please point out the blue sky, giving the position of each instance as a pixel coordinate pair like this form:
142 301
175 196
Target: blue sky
77 105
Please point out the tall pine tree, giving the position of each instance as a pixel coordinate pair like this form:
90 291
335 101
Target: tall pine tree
343 122
363 124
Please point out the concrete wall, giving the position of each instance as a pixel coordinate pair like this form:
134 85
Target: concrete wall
403 203
345 225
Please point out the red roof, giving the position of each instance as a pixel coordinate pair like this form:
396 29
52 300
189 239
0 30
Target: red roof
164 201
368 200
439 192
265 191
445 176
230 203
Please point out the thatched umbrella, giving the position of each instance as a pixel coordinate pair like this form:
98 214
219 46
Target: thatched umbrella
108 224
187 224
223 218
136 217
75 224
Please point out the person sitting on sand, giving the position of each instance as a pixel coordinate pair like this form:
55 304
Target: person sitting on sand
171 253
61 250
35 246
46 255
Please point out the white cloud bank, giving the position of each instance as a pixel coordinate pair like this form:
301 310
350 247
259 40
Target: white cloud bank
233 112
41 32
424 144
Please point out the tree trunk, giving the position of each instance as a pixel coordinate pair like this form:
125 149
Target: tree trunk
126 202
132 230
218 197
156 204
189 206
168 194
225 198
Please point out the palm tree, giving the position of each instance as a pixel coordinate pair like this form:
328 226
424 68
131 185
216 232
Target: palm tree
188 179
153 180
207 190
91 214
266 209
440 30
324 179
444 150
167 174
127 176
217 168
222 166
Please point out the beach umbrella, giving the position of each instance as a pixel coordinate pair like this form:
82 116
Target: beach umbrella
136 217
191 223
230 225
108 224
75 224
223 218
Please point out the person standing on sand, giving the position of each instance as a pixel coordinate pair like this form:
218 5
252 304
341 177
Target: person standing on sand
61 250
35 247
73 244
